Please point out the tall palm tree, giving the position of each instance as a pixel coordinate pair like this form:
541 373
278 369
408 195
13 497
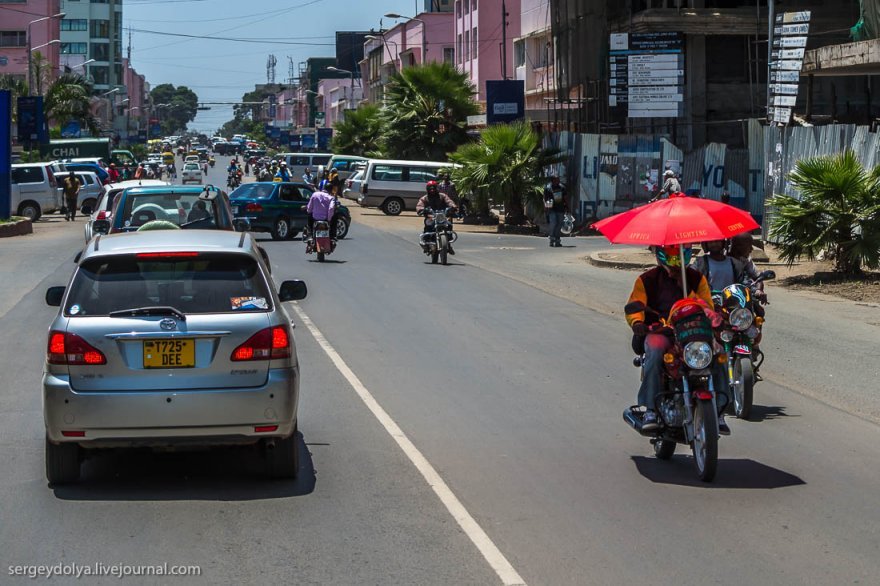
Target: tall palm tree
69 98
17 87
359 133
507 165
426 110
838 210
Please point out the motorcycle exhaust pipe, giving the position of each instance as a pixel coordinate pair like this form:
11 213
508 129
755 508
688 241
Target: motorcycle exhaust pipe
635 422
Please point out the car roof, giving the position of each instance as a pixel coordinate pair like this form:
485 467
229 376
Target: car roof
164 188
137 183
169 241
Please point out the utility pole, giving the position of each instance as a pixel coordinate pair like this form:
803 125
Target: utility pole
503 40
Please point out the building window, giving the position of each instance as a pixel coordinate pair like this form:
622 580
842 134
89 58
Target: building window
101 74
13 39
100 29
74 48
475 52
458 45
467 46
100 51
457 8
100 1
473 4
467 6
75 24
519 53
448 55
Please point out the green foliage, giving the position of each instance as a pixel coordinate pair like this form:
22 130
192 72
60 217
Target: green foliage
70 98
181 110
359 134
17 88
838 210
505 165
426 110
139 151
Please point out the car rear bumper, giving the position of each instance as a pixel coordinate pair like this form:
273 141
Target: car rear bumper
169 418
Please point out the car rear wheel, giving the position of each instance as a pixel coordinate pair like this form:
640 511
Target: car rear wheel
91 203
282 457
341 228
393 206
281 229
30 210
62 463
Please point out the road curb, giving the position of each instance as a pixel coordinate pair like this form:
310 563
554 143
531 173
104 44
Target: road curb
596 260
18 228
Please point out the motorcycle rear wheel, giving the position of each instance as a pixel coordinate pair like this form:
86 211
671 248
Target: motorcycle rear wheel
320 256
705 444
664 449
743 387
434 257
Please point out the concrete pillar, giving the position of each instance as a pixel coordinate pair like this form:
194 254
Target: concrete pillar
695 92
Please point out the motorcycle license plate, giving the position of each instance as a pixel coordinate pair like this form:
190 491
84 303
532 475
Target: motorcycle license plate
322 234
176 353
742 350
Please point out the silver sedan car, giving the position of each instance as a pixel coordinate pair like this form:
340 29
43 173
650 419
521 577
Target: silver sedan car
171 339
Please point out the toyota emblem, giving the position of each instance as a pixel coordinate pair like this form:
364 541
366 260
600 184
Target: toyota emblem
168 324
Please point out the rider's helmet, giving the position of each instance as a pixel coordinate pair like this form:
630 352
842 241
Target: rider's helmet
669 173
432 187
725 245
670 256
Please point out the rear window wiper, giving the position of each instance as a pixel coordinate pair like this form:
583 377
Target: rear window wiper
149 311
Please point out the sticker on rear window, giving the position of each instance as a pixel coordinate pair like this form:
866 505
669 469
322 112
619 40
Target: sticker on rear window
74 309
249 303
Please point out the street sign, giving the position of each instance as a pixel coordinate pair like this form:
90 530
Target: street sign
789 42
786 62
792 29
788 54
785 76
786 89
787 101
780 115
790 65
789 17
319 119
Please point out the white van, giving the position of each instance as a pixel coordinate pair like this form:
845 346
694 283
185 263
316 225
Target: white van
347 165
35 190
297 163
394 186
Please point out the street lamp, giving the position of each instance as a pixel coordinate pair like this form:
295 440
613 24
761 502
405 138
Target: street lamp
424 31
30 61
351 77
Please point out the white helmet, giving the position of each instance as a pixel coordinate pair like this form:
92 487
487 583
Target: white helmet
669 173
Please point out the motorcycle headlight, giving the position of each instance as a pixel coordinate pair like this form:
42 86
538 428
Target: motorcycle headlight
741 318
726 336
698 355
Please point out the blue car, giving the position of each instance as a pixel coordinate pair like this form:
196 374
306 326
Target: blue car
102 173
280 208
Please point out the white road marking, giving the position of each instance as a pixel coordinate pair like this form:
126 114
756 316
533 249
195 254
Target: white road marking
506 572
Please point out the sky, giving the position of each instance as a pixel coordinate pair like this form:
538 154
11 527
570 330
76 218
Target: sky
222 70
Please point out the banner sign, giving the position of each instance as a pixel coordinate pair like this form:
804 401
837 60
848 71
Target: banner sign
31 120
324 137
505 100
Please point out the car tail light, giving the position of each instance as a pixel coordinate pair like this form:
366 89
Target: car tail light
265 428
73 433
103 215
70 349
253 207
264 345
348 183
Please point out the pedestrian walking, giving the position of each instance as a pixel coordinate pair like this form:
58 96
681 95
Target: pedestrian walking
247 168
71 196
556 206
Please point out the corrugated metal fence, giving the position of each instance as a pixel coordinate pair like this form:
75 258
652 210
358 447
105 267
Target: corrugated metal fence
609 173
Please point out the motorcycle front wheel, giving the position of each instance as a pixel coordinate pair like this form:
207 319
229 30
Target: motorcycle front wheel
442 246
705 444
743 387
664 449
320 256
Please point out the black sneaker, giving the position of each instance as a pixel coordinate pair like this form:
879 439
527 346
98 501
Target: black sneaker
723 428
649 421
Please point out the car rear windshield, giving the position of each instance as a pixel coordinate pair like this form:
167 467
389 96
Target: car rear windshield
187 210
206 283
253 191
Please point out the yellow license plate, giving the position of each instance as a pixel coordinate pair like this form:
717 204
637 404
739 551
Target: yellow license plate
173 353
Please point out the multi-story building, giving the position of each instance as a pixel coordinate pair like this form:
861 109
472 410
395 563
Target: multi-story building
135 110
480 29
533 57
17 19
92 31
335 96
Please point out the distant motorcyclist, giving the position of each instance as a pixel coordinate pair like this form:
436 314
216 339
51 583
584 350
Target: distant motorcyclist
653 295
322 207
670 185
435 200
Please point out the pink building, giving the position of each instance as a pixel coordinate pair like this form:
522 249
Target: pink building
478 34
14 20
533 56
136 86
401 46
335 96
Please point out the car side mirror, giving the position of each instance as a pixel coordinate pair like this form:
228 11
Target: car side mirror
768 275
241 224
54 296
293 291
86 210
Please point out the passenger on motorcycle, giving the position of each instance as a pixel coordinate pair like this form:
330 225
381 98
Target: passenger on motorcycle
653 295
722 269
436 200
322 206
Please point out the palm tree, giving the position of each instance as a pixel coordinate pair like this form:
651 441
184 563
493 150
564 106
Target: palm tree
359 133
17 87
426 110
69 98
507 165
838 210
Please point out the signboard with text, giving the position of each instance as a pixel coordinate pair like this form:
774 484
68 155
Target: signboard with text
31 120
505 100
786 60
647 74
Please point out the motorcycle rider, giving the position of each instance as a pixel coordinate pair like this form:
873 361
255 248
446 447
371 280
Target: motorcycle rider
283 174
670 184
322 206
654 293
436 200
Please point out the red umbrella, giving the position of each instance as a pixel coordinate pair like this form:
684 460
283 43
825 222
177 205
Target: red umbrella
677 220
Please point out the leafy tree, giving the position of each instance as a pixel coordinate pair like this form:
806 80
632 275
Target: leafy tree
359 133
17 88
838 210
426 110
69 98
505 165
182 106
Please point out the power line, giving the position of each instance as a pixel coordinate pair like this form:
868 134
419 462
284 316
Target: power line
232 39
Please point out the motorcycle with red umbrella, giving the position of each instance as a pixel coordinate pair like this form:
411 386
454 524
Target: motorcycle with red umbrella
687 407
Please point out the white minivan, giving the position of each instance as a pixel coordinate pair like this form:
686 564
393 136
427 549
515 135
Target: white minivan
35 190
394 186
298 162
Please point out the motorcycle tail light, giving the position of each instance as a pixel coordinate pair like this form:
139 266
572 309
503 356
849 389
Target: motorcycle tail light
703 395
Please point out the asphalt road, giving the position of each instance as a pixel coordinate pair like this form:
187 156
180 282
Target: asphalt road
510 390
